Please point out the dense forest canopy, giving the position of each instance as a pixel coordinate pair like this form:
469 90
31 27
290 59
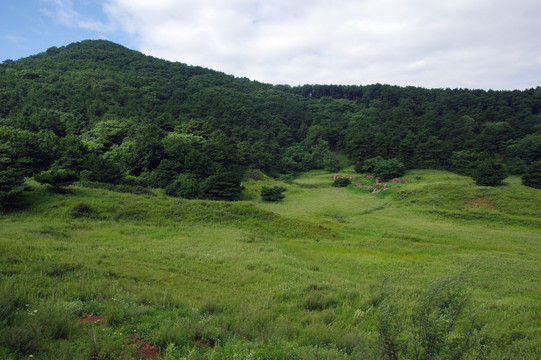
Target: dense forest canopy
112 114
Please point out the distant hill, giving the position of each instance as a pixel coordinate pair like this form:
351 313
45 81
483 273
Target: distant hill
149 121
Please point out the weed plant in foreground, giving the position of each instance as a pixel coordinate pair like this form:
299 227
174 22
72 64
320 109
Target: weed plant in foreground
438 265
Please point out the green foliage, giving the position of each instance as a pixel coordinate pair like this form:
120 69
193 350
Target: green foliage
463 162
437 316
516 166
101 169
341 182
114 314
21 154
102 346
222 186
528 149
135 112
489 172
532 177
81 209
11 186
12 298
115 115
183 186
274 193
163 175
172 333
54 320
131 189
57 178
389 169
23 338
440 325
306 273
368 165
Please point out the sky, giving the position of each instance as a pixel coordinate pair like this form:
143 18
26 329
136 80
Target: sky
475 44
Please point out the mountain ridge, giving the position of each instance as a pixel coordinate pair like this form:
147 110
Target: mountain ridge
155 120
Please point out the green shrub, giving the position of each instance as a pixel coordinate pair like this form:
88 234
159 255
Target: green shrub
102 345
439 327
489 172
272 193
463 162
114 314
57 178
183 187
516 166
532 177
368 165
341 182
222 186
54 321
24 338
287 178
100 169
81 209
389 169
11 186
319 335
163 175
12 297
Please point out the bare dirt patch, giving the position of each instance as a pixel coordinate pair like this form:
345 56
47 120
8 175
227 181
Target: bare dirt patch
481 201
143 348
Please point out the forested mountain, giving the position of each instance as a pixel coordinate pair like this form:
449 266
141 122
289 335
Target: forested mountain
106 113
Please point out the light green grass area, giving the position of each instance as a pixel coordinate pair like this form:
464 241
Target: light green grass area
326 273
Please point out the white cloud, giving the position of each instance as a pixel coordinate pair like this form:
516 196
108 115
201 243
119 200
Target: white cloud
64 12
460 43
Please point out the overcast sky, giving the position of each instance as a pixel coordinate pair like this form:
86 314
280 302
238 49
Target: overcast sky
487 44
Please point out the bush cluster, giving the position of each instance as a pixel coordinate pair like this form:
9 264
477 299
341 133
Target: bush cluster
274 193
532 178
379 167
341 182
489 172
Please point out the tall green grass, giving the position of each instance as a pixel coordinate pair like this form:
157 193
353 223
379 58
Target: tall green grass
327 272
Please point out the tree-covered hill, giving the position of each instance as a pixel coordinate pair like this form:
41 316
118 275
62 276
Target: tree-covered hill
111 114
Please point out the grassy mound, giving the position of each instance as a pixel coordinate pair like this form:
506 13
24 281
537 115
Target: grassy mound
329 272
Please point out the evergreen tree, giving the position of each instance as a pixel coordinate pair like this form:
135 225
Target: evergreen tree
222 186
389 169
184 186
489 172
11 186
57 178
532 178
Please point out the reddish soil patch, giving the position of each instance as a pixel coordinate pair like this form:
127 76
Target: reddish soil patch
481 201
200 342
143 348
93 318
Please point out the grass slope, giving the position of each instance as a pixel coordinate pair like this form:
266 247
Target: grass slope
312 276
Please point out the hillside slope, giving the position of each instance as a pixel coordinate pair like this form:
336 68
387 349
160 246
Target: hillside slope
327 272
153 119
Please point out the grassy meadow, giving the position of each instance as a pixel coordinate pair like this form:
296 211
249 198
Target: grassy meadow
434 268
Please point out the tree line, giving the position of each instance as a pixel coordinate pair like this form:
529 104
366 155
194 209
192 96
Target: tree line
100 112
